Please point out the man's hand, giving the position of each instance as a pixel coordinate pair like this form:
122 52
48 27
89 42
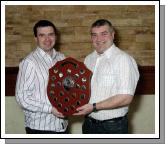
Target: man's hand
84 110
56 113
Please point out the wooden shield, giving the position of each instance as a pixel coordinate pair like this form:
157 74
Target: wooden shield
69 85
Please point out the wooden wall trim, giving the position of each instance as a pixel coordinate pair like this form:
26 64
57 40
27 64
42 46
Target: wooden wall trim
146 84
10 80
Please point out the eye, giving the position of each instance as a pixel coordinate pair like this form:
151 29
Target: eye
41 35
105 33
51 34
93 34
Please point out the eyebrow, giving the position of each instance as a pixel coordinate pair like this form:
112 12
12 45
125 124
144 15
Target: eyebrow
100 32
46 34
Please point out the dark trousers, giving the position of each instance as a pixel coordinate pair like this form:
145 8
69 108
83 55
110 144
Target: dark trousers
34 131
111 126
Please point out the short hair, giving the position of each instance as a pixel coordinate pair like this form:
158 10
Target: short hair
44 23
102 22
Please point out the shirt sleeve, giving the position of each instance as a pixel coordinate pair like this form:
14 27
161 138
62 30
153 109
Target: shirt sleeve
87 62
25 89
127 75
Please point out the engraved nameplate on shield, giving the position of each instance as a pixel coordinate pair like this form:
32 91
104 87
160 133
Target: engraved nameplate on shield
69 85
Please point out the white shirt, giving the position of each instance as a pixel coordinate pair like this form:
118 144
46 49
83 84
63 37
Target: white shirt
114 72
31 91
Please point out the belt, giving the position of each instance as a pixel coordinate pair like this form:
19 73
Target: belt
102 121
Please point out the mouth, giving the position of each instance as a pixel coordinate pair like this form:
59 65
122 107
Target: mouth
47 43
100 43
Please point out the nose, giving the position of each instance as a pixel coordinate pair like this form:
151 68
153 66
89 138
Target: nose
98 38
47 37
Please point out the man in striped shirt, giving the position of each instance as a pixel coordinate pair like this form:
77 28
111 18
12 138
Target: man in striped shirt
113 84
32 80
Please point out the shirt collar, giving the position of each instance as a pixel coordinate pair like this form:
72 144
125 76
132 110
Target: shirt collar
43 53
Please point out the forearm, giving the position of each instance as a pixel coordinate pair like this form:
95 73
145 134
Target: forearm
114 102
31 104
110 103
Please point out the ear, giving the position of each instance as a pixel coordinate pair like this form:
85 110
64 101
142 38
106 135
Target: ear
113 34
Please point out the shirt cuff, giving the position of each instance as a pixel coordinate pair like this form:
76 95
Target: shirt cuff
130 92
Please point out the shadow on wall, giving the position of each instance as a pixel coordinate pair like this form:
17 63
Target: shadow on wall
133 109
75 124
116 37
57 44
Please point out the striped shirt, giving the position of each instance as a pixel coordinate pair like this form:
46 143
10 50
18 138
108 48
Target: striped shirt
114 72
31 91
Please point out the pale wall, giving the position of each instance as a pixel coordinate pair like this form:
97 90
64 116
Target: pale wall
141 117
134 25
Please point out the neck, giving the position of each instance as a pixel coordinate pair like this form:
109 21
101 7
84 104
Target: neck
50 52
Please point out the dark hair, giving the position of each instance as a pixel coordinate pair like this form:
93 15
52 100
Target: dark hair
43 23
102 22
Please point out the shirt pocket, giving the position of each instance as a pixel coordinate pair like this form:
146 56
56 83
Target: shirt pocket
106 80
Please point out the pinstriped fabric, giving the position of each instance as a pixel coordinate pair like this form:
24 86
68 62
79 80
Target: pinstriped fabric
31 91
114 72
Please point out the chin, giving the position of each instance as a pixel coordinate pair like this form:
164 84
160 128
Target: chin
48 48
101 50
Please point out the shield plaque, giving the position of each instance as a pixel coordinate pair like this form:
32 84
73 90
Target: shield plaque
69 85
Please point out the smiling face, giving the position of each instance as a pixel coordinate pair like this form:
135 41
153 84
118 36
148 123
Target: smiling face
102 38
46 38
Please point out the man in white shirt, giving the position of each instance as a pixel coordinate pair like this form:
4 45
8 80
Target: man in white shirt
113 84
32 80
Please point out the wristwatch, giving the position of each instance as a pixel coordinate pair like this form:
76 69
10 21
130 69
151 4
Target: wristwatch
94 107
